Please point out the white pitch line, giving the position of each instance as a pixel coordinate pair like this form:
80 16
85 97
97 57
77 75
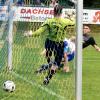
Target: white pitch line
5 98
92 60
37 85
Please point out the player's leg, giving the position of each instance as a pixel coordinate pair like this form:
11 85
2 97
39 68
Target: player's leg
49 49
70 57
48 54
58 53
43 68
51 72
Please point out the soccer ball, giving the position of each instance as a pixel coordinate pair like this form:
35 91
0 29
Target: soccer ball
9 86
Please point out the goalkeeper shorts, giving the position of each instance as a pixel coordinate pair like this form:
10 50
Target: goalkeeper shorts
71 56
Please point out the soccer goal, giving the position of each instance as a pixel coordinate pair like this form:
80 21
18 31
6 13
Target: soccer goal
20 55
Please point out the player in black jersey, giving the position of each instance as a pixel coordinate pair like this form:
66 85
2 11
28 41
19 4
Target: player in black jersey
87 39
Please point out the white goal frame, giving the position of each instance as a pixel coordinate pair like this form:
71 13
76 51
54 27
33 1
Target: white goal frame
79 29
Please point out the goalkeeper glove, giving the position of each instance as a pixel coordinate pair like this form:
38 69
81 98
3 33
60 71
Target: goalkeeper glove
28 33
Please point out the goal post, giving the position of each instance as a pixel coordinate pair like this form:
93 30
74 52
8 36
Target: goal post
79 28
10 33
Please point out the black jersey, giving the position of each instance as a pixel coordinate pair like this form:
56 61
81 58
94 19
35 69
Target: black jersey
88 40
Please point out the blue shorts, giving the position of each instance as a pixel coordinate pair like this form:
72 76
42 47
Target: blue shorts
71 56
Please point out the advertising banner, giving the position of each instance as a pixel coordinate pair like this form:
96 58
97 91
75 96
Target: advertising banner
40 14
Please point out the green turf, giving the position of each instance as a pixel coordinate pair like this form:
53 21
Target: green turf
91 72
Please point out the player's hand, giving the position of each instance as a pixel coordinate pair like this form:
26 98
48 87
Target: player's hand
66 69
99 50
28 33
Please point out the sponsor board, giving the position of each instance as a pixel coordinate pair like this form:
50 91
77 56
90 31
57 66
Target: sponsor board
40 14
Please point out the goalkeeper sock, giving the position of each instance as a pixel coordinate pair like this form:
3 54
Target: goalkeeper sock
47 66
50 74
44 67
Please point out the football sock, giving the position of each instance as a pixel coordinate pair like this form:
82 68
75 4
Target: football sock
50 74
44 67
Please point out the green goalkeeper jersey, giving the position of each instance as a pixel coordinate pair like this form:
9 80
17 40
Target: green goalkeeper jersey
55 28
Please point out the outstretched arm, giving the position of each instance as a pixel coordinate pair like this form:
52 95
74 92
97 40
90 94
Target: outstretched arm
40 31
37 32
93 43
66 66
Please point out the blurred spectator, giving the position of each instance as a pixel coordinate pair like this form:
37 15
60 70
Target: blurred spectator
2 2
20 3
7 2
89 3
53 3
72 3
39 2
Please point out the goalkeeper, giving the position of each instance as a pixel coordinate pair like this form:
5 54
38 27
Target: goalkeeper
87 39
56 29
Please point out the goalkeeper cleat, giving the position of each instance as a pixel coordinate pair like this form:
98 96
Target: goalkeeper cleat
46 82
